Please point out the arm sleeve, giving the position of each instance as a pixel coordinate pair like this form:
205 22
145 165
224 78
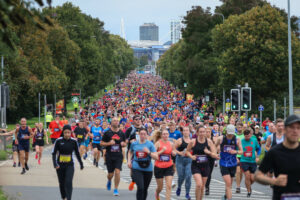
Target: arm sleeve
77 153
266 164
54 152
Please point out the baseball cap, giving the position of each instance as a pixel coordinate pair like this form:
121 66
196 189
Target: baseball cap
292 119
256 126
230 129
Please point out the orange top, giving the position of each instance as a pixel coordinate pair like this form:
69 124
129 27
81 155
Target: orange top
164 159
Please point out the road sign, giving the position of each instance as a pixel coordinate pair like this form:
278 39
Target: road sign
227 109
206 98
75 99
185 85
261 108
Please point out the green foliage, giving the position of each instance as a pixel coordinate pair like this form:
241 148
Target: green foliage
74 53
3 155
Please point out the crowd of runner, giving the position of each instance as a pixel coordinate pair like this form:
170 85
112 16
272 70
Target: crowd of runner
147 124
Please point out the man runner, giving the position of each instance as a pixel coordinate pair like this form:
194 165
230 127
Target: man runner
114 140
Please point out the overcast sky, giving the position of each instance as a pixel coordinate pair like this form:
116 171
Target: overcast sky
161 12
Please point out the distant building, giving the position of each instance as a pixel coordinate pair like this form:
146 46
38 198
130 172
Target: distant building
175 31
149 31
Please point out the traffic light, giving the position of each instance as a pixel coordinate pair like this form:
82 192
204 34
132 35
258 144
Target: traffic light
246 99
235 99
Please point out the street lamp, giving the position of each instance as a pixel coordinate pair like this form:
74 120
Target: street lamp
221 15
291 103
223 88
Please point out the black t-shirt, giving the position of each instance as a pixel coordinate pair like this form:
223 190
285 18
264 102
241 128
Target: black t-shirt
283 161
258 137
80 134
114 151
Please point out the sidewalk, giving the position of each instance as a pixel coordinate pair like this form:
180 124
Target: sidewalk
40 182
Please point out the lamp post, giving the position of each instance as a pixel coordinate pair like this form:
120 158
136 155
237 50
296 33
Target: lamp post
291 103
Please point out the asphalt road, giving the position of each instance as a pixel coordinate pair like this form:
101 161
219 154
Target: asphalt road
40 183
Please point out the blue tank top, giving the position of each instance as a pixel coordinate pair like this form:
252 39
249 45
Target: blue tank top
227 159
97 134
39 134
23 133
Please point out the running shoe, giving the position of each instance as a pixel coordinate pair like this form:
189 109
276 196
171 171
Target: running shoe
96 164
39 162
178 192
36 156
131 186
26 167
23 171
108 185
19 164
206 191
188 197
173 184
116 192
156 196
14 165
249 193
238 190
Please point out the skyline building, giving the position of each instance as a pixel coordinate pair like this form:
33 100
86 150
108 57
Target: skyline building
149 31
175 31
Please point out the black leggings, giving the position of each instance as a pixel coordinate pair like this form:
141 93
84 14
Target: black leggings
142 180
65 178
211 163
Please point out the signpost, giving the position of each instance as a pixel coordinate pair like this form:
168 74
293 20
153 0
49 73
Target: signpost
261 109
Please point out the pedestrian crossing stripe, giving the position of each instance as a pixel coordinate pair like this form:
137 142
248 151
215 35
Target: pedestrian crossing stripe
217 188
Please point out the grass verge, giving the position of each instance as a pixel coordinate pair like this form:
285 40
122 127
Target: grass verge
3 155
2 195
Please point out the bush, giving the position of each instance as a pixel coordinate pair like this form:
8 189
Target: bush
3 155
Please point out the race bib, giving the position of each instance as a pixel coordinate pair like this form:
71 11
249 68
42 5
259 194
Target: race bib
23 136
141 154
65 158
248 154
115 148
56 129
201 159
164 158
290 196
79 136
228 148
97 138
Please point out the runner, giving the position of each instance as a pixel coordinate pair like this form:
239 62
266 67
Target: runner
22 138
142 151
130 135
201 148
239 174
39 135
16 154
277 137
55 127
250 156
81 135
211 160
63 161
183 163
284 159
164 165
96 135
229 146
114 140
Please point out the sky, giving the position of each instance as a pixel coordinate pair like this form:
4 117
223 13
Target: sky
160 12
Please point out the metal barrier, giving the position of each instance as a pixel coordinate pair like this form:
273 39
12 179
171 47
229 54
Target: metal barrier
4 141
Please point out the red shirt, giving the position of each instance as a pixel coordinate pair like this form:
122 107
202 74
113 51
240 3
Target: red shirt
56 132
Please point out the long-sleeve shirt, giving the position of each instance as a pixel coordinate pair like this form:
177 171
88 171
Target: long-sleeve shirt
62 152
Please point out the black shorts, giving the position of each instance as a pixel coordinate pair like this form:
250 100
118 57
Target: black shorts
14 147
200 169
113 163
97 146
48 123
24 147
248 167
40 143
228 171
53 140
162 172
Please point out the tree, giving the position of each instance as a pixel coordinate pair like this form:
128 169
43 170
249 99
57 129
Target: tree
143 60
252 48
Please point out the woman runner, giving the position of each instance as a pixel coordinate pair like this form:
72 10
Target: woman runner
142 151
39 135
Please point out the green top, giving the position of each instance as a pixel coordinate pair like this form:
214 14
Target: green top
241 136
249 148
